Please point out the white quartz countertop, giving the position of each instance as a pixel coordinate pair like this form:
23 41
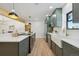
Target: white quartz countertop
9 38
12 39
56 39
73 40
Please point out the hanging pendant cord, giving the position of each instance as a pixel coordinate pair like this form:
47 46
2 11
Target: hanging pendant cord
13 7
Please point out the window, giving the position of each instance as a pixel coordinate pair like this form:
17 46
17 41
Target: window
70 24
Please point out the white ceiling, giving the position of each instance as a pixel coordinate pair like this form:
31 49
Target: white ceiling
25 10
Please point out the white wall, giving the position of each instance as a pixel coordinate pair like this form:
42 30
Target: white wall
67 8
39 27
5 22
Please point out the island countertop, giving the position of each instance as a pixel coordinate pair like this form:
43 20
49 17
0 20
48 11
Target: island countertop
10 38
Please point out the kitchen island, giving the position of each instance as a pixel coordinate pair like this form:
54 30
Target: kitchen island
14 46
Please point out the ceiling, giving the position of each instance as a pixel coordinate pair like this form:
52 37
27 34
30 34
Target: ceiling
35 10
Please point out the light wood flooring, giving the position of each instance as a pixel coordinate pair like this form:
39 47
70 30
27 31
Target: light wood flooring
41 49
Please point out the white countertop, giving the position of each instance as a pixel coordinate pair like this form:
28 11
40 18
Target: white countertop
71 39
56 39
9 38
74 41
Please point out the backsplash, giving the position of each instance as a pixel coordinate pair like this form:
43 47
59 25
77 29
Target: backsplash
7 24
73 32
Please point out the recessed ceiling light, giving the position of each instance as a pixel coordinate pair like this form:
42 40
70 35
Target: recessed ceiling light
50 7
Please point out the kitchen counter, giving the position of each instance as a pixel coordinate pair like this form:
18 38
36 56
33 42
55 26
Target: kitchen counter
9 38
72 40
14 46
56 38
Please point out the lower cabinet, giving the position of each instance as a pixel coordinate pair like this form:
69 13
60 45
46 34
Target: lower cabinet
69 50
24 47
46 37
59 51
56 49
14 48
53 47
31 42
49 41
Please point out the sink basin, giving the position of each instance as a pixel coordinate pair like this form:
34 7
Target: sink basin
24 34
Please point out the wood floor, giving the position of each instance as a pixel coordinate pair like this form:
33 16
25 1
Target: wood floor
41 49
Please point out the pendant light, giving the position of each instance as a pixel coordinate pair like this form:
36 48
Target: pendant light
12 14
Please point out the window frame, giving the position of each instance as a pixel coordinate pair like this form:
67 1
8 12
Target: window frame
70 20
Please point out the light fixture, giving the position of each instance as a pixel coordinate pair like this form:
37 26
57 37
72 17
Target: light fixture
50 7
12 14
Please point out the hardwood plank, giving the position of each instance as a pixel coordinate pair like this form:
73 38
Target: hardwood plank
41 48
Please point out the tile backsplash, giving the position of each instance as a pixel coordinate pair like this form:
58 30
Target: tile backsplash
7 24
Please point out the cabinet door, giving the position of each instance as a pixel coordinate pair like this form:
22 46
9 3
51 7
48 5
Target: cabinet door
33 37
46 37
54 48
32 41
59 51
24 47
69 50
8 49
49 41
75 10
59 17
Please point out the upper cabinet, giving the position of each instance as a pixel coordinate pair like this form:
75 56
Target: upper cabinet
56 17
54 20
49 27
75 10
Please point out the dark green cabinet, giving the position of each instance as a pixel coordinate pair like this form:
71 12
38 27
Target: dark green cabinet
75 11
49 26
24 47
53 47
15 48
48 39
69 50
56 49
31 42
56 17
59 51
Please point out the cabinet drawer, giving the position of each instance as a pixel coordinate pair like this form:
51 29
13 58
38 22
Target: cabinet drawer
53 47
59 51
69 50
24 47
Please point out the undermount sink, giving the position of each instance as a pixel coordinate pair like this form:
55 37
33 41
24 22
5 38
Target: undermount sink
24 34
